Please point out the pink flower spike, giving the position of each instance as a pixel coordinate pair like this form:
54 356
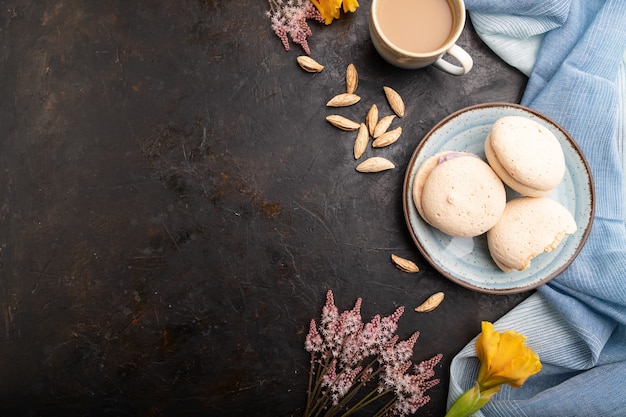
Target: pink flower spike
312 13
404 350
352 353
425 368
329 377
289 17
351 320
390 323
371 336
329 312
313 342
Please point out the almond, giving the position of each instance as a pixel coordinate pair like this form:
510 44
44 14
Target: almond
395 101
343 100
352 79
360 144
387 138
375 164
342 122
382 125
309 64
372 119
431 303
404 264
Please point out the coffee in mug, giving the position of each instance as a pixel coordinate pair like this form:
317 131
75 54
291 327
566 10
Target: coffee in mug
418 26
417 33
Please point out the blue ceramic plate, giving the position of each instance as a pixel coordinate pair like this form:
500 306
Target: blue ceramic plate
467 261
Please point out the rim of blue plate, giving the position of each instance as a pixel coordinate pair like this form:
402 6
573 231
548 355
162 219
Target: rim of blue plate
556 266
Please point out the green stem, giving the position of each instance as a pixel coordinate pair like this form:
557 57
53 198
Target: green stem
352 393
367 400
319 403
383 411
273 6
318 400
471 401
310 386
324 400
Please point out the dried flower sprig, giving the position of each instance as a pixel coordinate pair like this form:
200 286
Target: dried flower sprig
289 20
348 355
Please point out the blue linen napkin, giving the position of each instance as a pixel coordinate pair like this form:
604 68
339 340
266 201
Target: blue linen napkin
574 52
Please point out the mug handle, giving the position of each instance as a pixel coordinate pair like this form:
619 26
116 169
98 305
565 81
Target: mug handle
460 55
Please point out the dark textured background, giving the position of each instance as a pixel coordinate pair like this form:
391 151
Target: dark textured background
174 206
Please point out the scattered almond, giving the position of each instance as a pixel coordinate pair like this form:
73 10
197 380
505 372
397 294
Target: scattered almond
352 79
382 125
372 119
343 100
360 144
342 122
387 138
375 164
395 101
431 303
404 264
309 64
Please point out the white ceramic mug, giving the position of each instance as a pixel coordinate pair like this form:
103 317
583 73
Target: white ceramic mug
411 60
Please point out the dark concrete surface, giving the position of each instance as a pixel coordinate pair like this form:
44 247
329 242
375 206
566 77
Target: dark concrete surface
174 206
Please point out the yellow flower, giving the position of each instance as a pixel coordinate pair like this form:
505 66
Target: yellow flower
350 5
505 359
331 9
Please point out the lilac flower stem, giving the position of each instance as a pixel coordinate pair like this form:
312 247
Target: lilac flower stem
350 395
322 403
310 388
368 398
315 401
273 5
371 397
383 411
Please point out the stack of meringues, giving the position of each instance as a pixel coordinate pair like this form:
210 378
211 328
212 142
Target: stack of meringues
464 196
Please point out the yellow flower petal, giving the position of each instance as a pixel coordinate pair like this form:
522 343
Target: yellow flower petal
350 5
487 347
329 9
505 359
